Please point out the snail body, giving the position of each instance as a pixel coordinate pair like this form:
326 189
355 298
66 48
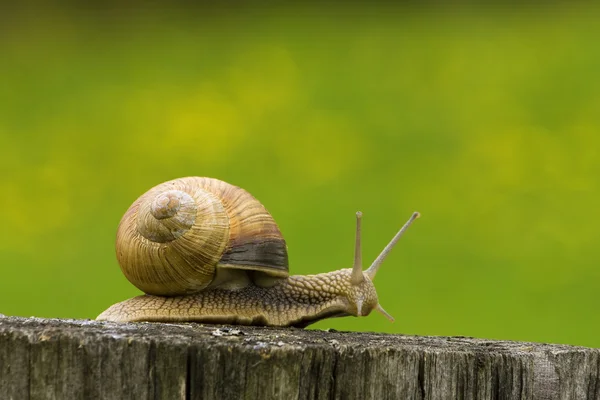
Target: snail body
206 251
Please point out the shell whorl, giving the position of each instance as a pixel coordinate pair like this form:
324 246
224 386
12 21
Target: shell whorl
174 236
168 216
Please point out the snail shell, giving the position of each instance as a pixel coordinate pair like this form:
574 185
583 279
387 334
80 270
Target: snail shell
176 237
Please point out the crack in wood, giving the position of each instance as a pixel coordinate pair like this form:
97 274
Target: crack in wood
60 359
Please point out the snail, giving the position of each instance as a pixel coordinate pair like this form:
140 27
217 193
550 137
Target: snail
203 250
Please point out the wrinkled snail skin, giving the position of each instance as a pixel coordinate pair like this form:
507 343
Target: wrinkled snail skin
206 251
297 301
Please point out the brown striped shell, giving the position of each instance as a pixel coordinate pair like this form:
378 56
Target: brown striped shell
174 238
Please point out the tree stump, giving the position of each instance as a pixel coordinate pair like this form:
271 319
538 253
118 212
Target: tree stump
79 359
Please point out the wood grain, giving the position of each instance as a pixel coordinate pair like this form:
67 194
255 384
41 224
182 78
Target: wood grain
78 359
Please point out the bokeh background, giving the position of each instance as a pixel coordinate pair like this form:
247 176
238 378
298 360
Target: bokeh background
484 119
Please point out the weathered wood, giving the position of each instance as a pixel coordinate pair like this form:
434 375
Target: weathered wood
71 359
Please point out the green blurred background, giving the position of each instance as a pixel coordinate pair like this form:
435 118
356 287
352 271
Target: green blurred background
485 120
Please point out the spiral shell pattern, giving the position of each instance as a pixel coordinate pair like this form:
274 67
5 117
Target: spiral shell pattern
174 237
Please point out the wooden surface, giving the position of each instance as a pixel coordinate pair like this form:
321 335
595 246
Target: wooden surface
74 359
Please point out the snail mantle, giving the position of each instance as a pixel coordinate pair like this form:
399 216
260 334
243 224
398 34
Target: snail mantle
70 359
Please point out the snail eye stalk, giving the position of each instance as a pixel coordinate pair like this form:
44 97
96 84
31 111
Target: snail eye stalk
357 272
379 260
